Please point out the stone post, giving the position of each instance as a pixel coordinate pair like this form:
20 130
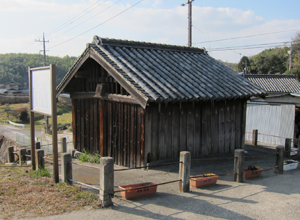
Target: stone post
287 147
254 137
40 161
279 159
63 145
22 157
66 167
106 181
10 155
184 171
37 145
239 165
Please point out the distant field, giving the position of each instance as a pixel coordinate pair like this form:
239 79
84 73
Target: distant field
64 115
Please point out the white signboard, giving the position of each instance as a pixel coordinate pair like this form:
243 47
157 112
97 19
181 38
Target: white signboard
41 91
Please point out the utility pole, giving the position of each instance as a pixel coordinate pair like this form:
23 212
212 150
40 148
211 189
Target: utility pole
291 56
189 2
44 52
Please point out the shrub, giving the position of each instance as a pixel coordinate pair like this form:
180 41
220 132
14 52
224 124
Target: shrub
23 115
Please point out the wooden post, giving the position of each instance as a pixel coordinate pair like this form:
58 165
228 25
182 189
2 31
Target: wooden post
22 157
287 148
239 165
66 167
10 155
106 181
184 171
298 151
37 145
63 145
254 137
279 159
40 159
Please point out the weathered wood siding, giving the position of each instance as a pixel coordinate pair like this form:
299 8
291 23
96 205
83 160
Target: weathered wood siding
118 127
201 128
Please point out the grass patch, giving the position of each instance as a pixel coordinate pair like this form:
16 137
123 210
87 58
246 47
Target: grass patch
88 157
39 173
33 194
64 115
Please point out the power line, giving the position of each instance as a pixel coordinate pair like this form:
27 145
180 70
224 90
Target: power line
98 24
88 19
75 18
253 45
254 35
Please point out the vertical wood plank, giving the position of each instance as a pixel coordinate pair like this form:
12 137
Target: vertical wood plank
121 134
109 127
74 121
82 115
215 127
238 124
133 137
227 127
162 133
101 128
221 127
175 130
92 122
128 147
138 136
87 125
154 132
142 137
232 119
78 125
190 127
168 131
183 127
206 128
197 135
96 123
115 129
243 126
125 158
148 135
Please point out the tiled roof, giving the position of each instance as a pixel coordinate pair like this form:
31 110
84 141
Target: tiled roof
276 83
165 73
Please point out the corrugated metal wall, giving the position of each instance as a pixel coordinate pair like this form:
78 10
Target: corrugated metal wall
276 120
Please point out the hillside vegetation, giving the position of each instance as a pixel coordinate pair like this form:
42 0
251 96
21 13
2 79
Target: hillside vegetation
15 66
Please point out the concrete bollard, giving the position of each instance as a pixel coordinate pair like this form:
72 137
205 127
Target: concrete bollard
22 157
37 145
10 155
254 137
106 181
239 165
184 171
66 167
63 145
287 147
40 161
279 159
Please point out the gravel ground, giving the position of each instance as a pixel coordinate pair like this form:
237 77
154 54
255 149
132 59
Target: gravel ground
271 196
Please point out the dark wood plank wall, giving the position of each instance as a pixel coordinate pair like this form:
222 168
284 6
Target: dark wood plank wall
201 128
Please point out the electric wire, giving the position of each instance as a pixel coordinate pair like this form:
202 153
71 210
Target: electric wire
97 25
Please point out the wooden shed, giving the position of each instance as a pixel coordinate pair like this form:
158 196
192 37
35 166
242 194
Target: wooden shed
142 102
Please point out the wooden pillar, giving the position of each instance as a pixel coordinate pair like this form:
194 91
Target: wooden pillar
287 148
101 129
254 137
184 171
239 165
279 159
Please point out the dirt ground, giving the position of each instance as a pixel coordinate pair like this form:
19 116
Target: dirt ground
271 196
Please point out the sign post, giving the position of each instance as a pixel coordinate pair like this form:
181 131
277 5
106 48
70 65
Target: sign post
42 97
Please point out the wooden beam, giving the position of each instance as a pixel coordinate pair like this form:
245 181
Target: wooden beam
110 97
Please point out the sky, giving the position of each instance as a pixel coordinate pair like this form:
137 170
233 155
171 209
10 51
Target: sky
227 29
